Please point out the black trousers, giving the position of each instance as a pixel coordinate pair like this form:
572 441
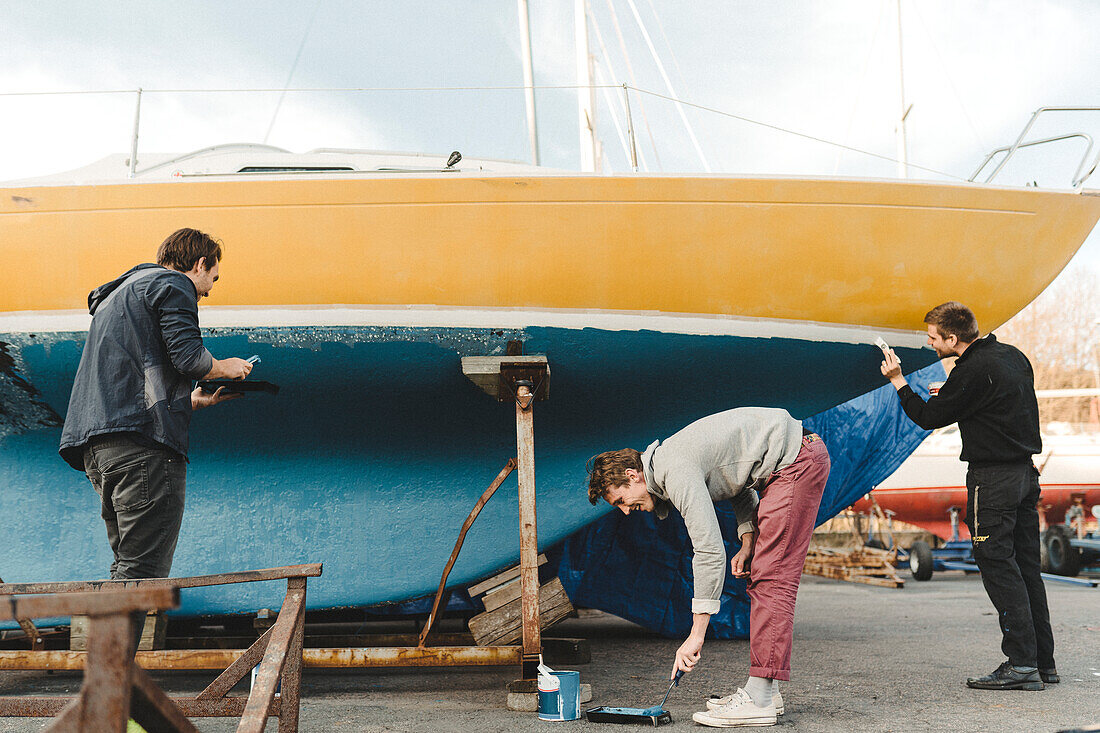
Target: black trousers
141 491
1004 528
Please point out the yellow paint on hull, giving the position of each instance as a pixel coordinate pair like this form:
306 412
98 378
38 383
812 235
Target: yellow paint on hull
872 253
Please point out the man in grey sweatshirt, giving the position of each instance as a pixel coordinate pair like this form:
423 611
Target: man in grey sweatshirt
765 463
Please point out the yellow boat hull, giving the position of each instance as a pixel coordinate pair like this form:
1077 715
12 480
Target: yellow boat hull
866 253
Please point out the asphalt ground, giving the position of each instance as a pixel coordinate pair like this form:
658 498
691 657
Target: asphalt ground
865 659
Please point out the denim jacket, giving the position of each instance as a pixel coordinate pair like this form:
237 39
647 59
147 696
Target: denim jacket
142 353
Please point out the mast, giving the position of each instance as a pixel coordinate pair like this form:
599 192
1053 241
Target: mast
586 94
903 168
528 79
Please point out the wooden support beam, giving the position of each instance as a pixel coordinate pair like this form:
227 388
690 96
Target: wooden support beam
867 565
501 596
484 371
505 624
152 632
500 579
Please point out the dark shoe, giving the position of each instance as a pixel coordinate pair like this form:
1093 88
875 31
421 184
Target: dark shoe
1050 676
1006 677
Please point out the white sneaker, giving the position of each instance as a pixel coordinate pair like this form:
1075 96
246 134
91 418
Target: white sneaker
716 702
739 711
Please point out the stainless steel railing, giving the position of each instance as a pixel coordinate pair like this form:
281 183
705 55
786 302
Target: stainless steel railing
1084 168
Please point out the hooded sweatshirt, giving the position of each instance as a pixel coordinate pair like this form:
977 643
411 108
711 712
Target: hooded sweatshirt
143 350
718 457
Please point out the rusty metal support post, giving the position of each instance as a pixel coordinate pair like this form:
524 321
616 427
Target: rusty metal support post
105 696
528 530
36 640
486 495
261 701
292 668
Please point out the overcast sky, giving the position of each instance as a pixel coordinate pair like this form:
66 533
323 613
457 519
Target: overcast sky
974 72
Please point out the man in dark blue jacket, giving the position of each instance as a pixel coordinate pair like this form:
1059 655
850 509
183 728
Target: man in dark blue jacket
130 408
990 393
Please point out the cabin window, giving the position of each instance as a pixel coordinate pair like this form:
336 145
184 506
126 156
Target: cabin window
292 168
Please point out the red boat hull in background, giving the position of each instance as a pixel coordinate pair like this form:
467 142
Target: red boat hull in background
933 479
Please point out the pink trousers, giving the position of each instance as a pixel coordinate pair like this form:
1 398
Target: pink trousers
785 522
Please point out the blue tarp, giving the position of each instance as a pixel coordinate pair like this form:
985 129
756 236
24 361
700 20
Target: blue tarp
639 568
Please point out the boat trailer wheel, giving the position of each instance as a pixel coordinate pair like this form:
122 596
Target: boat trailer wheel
1062 556
920 560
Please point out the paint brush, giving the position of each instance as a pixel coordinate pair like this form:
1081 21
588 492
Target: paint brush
675 683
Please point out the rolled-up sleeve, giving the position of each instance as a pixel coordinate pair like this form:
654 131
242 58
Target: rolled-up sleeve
177 314
688 493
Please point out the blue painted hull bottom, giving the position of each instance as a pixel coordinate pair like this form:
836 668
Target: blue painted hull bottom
377 447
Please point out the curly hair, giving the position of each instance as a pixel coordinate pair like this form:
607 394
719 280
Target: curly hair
608 469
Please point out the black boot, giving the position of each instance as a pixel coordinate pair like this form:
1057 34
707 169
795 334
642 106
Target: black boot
1006 677
1050 676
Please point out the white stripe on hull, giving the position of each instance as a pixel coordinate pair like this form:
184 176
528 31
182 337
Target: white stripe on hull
428 316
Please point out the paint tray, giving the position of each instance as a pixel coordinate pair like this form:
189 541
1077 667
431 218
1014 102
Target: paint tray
233 386
629 716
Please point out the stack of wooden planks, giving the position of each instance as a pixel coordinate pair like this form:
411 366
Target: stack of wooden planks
501 623
860 565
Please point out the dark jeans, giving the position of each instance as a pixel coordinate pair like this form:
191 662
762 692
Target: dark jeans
1004 528
141 491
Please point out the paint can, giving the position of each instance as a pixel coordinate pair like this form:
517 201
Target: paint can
934 388
560 696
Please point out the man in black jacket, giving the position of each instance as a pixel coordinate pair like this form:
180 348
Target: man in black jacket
130 408
990 393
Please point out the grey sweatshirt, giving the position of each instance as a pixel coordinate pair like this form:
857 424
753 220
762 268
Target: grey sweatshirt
718 457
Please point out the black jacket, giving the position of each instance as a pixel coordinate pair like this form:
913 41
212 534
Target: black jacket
991 395
143 350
